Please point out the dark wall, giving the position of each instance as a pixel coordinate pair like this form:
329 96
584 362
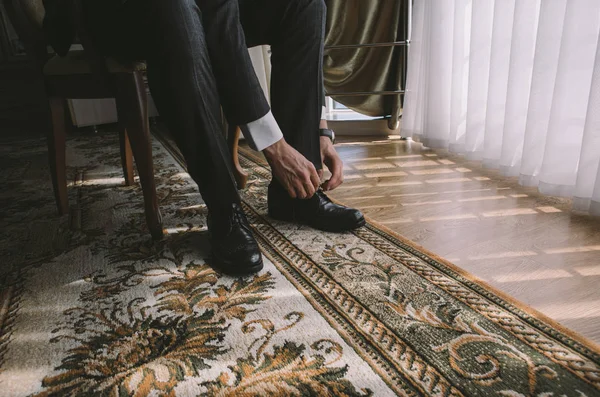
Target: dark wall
23 108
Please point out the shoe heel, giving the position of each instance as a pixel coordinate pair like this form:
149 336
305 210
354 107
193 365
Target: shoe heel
281 206
281 214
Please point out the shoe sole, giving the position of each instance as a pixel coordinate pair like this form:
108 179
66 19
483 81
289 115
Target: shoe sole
237 272
360 223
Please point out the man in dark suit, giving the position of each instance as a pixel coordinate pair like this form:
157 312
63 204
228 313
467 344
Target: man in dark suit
196 52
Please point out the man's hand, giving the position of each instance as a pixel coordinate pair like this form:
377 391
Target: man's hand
297 175
333 162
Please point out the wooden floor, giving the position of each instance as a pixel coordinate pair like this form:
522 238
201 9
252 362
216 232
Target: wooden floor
530 246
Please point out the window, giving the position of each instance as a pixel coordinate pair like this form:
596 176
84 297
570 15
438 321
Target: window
339 112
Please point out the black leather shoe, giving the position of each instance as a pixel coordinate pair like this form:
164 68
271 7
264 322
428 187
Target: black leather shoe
234 249
318 211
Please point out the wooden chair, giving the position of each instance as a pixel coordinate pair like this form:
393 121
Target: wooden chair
233 138
87 75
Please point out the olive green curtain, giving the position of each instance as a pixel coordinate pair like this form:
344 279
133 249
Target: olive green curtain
364 69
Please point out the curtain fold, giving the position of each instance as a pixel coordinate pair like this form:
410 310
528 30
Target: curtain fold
357 69
515 84
363 69
261 60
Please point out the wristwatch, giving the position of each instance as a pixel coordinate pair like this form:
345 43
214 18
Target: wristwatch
328 133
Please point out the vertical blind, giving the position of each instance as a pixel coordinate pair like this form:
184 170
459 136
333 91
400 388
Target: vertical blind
513 83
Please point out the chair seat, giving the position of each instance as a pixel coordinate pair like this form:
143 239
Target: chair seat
76 63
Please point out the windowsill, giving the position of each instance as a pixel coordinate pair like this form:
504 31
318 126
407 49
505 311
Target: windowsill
370 126
350 116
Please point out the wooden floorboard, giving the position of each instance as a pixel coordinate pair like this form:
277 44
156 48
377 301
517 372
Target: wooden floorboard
530 246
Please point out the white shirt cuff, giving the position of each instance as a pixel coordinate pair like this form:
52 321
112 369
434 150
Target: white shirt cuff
263 132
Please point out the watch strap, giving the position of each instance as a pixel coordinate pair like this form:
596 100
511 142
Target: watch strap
328 133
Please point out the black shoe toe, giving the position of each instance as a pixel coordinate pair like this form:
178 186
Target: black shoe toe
318 212
356 219
234 249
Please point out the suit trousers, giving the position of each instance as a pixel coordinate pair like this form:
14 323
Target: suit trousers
197 59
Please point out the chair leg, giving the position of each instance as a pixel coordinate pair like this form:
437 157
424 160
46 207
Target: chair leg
126 155
56 154
233 139
69 127
132 105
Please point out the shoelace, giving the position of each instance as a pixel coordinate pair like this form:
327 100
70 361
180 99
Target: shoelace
240 218
322 195
236 217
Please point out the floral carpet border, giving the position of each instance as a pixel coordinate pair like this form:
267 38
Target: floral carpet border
525 312
535 329
564 347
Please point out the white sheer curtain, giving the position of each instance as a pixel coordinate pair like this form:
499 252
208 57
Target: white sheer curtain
261 60
513 83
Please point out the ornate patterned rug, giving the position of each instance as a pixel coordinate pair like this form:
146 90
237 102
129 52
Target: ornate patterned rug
89 305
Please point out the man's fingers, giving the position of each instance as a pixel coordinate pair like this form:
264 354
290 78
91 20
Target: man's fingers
291 191
308 184
300 191
315 178
288 184
334 183
337 176
309 189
